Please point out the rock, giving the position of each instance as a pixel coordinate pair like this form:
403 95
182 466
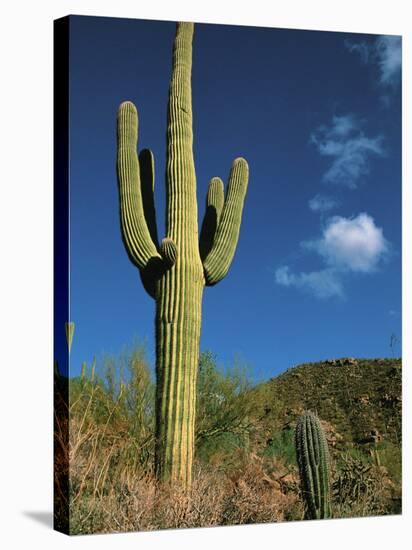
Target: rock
333 437
344 361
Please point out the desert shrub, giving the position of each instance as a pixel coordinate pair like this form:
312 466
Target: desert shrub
111 431
282 445
361 487
225 407
389 456
141 503
112 484
119 393
260 494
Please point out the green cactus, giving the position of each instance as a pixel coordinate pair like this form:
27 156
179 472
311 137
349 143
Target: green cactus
69 326
175 272
314 466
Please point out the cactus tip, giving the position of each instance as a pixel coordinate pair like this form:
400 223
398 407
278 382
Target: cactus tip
240 160
127 106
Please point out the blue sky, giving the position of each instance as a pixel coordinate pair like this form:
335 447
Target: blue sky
317 272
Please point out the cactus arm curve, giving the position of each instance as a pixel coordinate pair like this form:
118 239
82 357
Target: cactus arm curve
147 178
215 199
157 267
136 236
168 250
217 262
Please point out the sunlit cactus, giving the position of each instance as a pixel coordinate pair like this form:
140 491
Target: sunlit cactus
176 271
314 465
69 326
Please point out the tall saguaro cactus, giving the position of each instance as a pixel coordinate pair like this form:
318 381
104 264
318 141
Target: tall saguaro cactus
175 272
313 460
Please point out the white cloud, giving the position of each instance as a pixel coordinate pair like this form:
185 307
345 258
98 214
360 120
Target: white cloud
361 48
342 126
349 148
351 244
323 283
347 245
351 159
322 203
385 52
389 54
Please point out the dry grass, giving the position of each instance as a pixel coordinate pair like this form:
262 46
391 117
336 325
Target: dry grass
111 455
110 492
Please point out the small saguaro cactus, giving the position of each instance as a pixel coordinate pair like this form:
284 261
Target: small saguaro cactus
175 272
314 466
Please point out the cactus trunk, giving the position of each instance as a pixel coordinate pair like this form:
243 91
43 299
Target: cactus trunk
313 460
175 273
178 333
179 295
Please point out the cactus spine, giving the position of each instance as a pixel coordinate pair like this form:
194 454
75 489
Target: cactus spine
175 272
313 460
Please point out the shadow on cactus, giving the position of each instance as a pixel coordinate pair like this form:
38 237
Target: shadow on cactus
313 460
176 271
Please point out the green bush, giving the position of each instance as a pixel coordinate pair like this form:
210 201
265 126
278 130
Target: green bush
225 407
282 445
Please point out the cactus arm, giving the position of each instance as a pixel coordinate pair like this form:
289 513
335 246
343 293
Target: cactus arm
218 261
150 274
168 250
214 204
136 236
157 267
147 178
325 478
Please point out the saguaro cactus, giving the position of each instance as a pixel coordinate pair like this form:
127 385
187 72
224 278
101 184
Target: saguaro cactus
69 327
313 460
175 272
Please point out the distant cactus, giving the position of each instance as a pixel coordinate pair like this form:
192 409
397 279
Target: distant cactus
175 272
314 466
69 326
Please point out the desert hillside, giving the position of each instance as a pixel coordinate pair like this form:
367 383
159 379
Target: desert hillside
245 459
361 399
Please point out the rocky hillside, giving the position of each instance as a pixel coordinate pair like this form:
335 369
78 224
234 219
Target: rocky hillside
360 399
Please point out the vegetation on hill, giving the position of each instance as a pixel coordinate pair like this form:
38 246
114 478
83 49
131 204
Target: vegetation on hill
245 466
361 398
